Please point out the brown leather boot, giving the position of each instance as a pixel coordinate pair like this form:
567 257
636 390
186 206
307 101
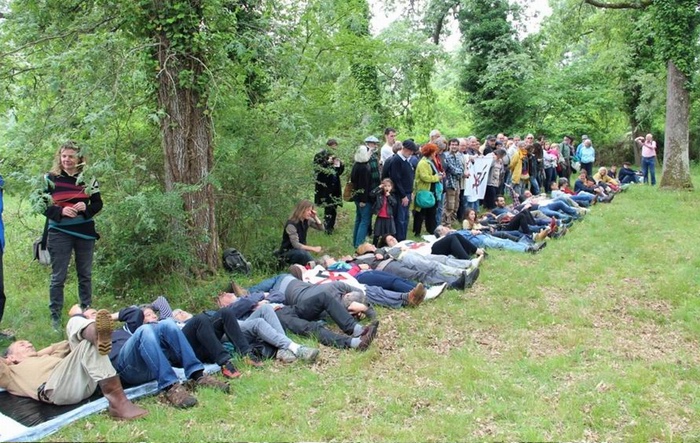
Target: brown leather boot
120 408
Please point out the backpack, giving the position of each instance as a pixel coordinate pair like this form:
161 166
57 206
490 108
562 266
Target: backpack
234 261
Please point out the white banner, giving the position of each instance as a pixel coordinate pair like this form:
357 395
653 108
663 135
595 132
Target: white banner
475 185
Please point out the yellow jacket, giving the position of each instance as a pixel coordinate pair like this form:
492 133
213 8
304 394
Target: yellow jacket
425 177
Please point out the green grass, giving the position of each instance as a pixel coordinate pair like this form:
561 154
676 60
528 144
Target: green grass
595 338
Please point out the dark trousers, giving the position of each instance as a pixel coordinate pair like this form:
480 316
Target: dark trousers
330 213
224 321
427 214
61 247
291 322
207 346
521 222
490 197
312 305
455 245
385 280
297 257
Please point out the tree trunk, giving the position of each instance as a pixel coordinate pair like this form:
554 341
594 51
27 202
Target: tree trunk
186 128
676 167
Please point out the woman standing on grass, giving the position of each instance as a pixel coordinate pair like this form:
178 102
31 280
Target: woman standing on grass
294 249
73 201
426 179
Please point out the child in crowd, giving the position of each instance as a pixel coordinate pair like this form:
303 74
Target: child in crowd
384 208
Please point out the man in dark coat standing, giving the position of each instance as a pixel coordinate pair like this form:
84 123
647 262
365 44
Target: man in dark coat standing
328 169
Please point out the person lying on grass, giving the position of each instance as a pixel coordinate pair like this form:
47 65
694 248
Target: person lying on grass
143 352
462 273
381 288
69 371
259 326
306 304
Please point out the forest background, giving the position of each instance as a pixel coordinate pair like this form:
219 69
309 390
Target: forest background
201 118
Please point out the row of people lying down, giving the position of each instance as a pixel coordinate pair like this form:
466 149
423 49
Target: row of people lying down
255 322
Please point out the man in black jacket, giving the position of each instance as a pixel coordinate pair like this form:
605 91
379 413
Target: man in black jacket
400 171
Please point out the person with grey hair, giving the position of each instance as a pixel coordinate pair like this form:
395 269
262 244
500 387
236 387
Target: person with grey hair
307 303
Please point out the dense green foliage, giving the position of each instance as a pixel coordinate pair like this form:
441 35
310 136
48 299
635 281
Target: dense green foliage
277 81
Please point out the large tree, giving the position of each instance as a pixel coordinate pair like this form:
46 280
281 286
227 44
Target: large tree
676 26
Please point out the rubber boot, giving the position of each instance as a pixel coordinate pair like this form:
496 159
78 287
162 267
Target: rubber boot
120 408
100 332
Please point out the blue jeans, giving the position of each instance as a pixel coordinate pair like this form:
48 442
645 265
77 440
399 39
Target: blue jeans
61 247
649 168
363 216
385 280
491 242
401 219
534 186
151 353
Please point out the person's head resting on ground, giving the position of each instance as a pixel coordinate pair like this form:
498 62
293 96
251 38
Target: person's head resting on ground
89 313
224 299
527 193
302 211
389 240
70 158
149 314
332 143
428 150
326 261
362 154
19 351
357 304
441 231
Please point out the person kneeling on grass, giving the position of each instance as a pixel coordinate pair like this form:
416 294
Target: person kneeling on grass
68 372
142 352
307 303
258 324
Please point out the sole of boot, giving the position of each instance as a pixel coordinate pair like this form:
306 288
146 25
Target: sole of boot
103 324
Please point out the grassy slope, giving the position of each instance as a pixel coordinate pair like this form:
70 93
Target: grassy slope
595 338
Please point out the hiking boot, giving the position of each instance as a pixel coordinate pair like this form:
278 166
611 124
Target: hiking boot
178 396
435 291
208 381
470 278
307 354
560 232
253 360
534 249
459 282
367 336
416 296
229 370
540 236
297 271
285 356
